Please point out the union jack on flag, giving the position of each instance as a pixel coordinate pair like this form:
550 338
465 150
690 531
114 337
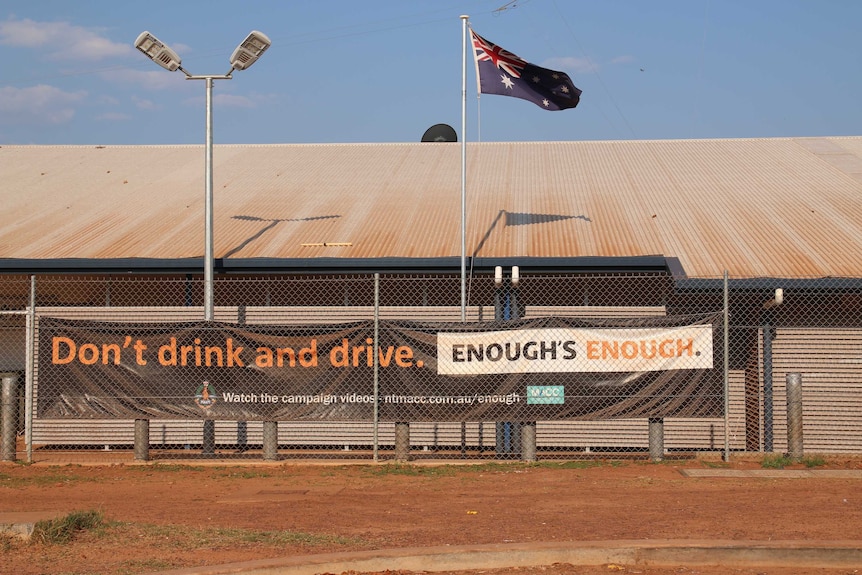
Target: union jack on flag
503 59
501 72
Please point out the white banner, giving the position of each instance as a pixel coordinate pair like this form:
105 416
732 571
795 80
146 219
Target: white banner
575 350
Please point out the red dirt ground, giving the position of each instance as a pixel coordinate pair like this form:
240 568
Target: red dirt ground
164 515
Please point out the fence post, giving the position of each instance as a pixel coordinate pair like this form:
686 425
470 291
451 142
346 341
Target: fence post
656 438
29 375
208 446
402 441
270 440
767 389
9 416
726 368
528 441
142 439
794 416
376 351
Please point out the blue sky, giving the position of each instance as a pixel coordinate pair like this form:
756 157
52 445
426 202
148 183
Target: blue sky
386 70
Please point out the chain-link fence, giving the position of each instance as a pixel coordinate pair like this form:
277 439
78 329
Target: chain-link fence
384 367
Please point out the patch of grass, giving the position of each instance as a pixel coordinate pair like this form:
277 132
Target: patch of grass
246 474
573 464
715 464
49 477
813 461
217 537
9 542
410 470
775 461
64 529
490 467
170 467
214 472
144 566
665 460
495 467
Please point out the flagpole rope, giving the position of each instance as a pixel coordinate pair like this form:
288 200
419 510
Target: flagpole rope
478 118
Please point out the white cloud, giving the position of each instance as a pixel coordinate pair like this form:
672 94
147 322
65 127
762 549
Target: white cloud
230 100
61 40
156 79
233 101
40 104
143 103
571 64
113 116
180 49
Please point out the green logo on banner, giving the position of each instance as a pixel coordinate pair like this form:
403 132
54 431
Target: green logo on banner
545 394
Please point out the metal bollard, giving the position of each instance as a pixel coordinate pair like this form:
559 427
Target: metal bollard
142 439
208 446
528 441
270 440
402 441
794 416
656 438
9 416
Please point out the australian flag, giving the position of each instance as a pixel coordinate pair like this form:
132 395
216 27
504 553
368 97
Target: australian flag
501 72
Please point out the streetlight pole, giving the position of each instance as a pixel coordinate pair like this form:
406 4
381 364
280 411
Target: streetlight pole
246 54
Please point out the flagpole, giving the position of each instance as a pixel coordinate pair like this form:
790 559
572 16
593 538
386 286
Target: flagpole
464 19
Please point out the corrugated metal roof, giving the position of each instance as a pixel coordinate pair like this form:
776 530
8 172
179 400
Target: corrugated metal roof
785 207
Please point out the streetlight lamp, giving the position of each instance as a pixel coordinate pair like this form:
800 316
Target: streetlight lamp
246 54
